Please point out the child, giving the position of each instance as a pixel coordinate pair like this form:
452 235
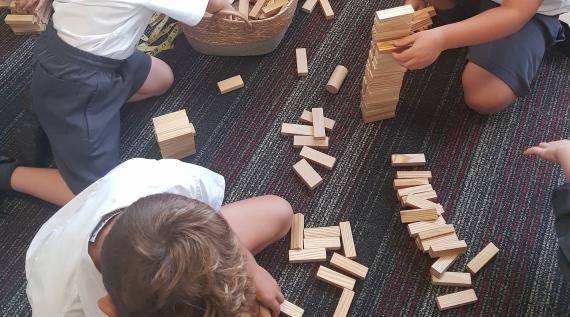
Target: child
559 152
86 67
506 40
151 239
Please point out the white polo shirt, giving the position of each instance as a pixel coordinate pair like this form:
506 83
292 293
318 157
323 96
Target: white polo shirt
112 28
550 7
62 279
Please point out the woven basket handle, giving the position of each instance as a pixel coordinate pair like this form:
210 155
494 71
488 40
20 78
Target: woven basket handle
237 14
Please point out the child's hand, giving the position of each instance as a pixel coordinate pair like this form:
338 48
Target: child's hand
217 5
267 290
425 48
416 4
556 151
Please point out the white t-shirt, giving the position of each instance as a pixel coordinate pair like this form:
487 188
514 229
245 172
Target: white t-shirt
112 28
550 7
62 279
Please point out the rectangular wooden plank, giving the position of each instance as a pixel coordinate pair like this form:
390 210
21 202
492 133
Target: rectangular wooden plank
414 201
329 243
302 65
349 266
435 232
335 278
417 227
394 13
415 215
307 117
429 195
458 279
272 9
20 19
344 303
318 123
243 7
413 174
308 174
256 10
414 190
347 240
440 249
425 244
291 310
318 157
230 84
307 255
309 6
482 258
297 229
441 265
409 182
455 300
307 140
327 9
418 159
296 129
322 232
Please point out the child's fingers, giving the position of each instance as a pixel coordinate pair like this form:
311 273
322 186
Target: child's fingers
275 308
407 41
535 150
544 144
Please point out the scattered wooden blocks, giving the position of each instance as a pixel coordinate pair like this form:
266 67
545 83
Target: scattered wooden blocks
296 129
452 279
349 266
455 300
302 66
347 240
408 160
327 9
413 174
435 232
309 6
442 264
175 135
273 9
307 117
417 227
344 303
409 182
318 157
306 140
230 84
322 232
256 10
307 255
318 123
482 258
329 243
307 173
336 79
414 215
440 249
297 229
332 277
291 310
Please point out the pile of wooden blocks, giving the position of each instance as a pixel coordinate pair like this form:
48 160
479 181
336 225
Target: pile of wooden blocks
310 5
175 135
311 245
428 228
261 9
28 21
383 76
309 138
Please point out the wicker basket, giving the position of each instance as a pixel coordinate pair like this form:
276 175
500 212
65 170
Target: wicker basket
215 35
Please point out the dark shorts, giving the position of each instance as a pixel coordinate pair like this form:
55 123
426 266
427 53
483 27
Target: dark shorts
77 97
514 59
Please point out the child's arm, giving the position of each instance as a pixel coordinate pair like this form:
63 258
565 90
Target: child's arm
487 26
267 291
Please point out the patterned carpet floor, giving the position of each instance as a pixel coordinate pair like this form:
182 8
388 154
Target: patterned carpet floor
489 190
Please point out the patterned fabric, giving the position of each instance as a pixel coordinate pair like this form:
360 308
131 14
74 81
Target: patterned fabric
489 190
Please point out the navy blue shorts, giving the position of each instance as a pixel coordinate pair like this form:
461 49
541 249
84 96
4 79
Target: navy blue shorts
514 59
77 97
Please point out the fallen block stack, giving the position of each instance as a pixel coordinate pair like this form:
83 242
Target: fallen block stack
28 21
426 225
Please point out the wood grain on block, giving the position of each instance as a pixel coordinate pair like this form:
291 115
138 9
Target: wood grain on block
256 10
309 6
318 157
344 303
440 249
418 202
408 159
335 278
272 9
307 173
349 266
441 265
243 7
307 140
307 255
296 129
417 227
337 78
415 215
455 300
322 232
452 279
413 174
409 182
435 232
297 229
20 19
318 123
327 9
329 243
264 311
429 195
414 190
302 65
425 244
307 117
291 310
347 240
482 258
230 84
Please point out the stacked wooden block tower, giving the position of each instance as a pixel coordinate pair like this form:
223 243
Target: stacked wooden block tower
28 21
175 135
383 76
428 228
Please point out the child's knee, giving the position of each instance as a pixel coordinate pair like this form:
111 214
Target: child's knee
283 213
163 77
486 96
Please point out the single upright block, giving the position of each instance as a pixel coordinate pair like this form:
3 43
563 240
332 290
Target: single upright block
482 258
329 243
296 129
414 215
336 79
244 7
452 279
318 157
307 255
414 174
297 229
327 9
408 159
322 232
347 240
307 117
349 266
440 249
409 182
302 67
309 6
291 310
344 303
435 232
308 140
442 264
455 300
318 123
175 135
308 174
332 277
230 84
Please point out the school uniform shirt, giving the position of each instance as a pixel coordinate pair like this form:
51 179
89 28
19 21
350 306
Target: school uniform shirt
62 279
561 206
550 7
112 28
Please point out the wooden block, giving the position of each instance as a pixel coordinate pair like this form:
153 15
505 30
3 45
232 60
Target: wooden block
349 266
297 229
414 190
327 9
482 258
308 174
318 123
20 19
455 300
414 174
307 255
409 182
430 11
344 303
417 202
440 249
441 265
347 240
302 66
415 215
322 232
417 227
254 13
291 310
230 84
307 117
243 7
318 157
296 129
5 3
429 195
332 277
329 243
408 159
272 9
394 13
435 232
452 279
307 140
309 6
336 79
264 311
426 244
